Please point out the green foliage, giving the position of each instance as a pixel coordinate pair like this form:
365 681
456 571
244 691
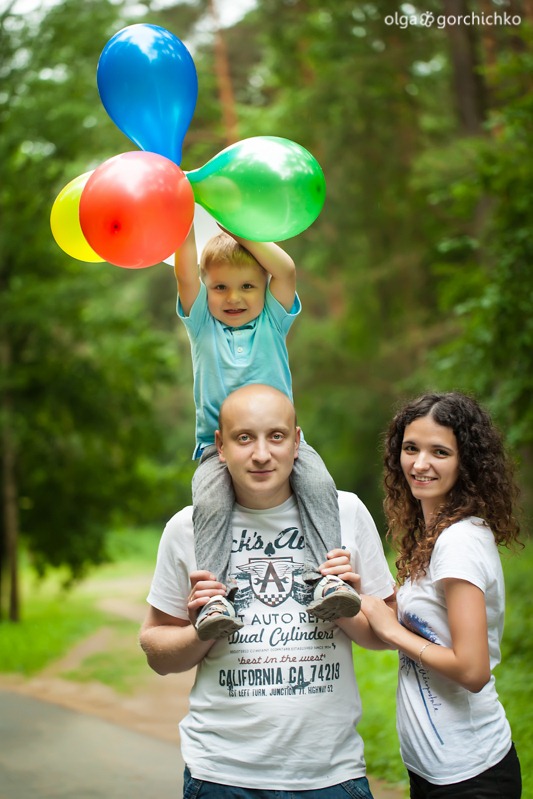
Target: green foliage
377 677
92 374
132 551
486 283
515 674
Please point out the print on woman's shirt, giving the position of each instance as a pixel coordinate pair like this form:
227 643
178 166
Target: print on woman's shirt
282 648
430 700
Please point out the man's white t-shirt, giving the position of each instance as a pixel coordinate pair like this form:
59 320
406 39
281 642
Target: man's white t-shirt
448 734
276 705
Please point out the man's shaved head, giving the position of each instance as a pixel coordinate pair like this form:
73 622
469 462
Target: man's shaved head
254 393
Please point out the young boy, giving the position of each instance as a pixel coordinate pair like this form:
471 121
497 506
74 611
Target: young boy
237 310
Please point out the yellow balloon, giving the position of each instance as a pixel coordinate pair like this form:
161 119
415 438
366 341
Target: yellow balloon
65 221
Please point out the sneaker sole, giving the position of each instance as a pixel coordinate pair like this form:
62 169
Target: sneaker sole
221 627
336 606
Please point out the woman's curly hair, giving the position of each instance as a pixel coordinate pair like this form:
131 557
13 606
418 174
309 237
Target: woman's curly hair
485 486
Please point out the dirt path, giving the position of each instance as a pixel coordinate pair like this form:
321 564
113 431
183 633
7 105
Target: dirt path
156 705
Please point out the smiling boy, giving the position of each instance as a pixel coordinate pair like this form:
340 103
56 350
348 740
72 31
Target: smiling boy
237 308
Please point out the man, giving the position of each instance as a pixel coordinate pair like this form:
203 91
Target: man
274 708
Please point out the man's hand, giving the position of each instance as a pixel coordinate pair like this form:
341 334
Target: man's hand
204 585
338 563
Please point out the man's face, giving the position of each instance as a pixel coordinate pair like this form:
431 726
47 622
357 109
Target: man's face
259 441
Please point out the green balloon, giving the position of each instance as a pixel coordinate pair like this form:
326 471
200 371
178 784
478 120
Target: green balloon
263 189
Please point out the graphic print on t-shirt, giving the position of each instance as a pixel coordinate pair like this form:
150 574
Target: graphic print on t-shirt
282 649
430 700
272 579
268 575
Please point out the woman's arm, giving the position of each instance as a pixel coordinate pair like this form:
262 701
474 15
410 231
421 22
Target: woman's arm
467 661
358 629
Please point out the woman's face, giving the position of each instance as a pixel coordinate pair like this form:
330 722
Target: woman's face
430 462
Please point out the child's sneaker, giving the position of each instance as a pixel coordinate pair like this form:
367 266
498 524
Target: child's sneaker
217 619
334 599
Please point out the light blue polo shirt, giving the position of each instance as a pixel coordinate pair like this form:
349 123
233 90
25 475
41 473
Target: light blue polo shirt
225 358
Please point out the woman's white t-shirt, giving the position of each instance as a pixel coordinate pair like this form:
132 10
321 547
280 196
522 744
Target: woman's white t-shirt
448 734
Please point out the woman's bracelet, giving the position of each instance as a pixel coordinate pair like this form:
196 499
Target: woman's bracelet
419 662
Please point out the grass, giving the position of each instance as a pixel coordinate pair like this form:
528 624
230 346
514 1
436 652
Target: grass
52 625
376 677
54 621
122 666
514 676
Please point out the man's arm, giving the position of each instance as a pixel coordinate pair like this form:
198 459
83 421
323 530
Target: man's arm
171 645
186 271
278 264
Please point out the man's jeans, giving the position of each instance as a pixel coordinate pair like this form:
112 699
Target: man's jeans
198 789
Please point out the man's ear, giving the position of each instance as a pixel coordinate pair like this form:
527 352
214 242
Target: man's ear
297 442
219 446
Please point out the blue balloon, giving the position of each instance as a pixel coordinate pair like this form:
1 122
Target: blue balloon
148 85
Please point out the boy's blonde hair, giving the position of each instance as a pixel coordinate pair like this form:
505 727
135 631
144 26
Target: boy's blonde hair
223 249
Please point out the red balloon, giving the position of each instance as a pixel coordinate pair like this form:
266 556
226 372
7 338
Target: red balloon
136 209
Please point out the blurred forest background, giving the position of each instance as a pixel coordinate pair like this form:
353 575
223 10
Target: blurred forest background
418 273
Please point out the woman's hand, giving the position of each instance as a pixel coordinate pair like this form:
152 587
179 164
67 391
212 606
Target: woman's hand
381 616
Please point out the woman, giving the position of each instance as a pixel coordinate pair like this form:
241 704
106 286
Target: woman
449 504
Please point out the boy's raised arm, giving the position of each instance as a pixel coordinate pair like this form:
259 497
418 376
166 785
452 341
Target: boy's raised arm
186 271
278 264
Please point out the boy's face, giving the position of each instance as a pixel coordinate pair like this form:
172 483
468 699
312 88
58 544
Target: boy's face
235 294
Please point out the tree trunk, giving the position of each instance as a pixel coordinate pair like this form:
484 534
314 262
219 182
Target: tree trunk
525 9
468 84
223 76
9 495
